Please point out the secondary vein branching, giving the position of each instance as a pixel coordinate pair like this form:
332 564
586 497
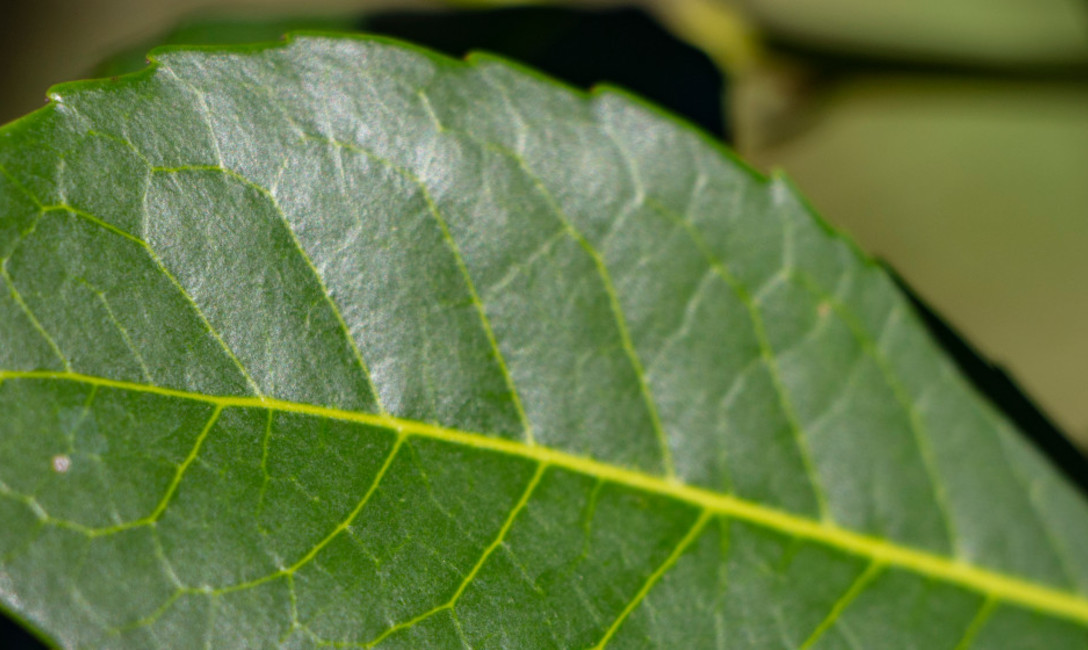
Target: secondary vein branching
991 583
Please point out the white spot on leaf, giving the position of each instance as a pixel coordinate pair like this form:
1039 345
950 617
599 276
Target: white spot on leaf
61 463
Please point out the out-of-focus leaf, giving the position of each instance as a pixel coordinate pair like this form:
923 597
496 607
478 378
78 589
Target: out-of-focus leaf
1013 33
221 31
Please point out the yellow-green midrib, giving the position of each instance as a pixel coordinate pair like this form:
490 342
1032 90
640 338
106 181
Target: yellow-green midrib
993 584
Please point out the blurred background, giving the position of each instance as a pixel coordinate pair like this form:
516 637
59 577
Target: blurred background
950 139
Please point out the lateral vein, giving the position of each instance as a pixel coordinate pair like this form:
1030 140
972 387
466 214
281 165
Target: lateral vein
992 583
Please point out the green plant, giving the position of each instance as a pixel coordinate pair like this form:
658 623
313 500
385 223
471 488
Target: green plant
345 343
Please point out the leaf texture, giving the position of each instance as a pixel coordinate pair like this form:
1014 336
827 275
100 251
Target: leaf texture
340 342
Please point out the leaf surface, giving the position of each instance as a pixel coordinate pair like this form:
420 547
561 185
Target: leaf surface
344 343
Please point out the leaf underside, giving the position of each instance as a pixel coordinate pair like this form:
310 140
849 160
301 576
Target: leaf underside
341 342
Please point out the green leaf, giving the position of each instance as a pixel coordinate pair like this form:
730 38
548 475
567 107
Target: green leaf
343 342
223 31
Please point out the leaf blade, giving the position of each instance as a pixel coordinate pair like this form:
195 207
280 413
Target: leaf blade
680 299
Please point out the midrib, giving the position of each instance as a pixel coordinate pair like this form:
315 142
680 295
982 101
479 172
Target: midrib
990 583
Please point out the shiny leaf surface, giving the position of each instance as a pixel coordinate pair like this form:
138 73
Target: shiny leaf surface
344 343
